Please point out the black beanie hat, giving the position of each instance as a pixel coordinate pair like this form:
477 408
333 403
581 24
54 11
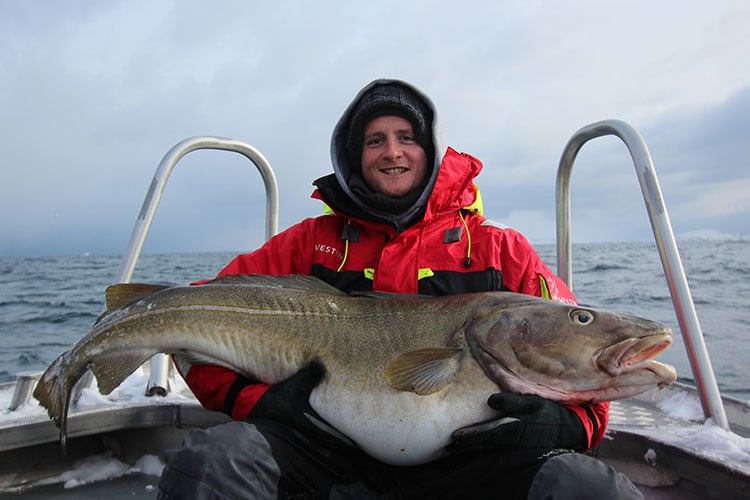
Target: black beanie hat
389 99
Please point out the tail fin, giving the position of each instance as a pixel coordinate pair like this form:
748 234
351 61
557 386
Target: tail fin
52 394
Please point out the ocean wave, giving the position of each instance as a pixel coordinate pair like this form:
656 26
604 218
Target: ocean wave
636 298
598 268
32 304
712 235
29 358
60 317
740 270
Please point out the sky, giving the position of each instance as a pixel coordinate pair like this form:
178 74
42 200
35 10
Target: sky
93 94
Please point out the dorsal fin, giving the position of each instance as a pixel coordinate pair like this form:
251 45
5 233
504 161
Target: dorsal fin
287 281
123 294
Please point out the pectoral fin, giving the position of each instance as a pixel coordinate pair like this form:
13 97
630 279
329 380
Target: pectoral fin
423 371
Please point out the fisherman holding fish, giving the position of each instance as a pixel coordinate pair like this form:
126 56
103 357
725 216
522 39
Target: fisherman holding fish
403 215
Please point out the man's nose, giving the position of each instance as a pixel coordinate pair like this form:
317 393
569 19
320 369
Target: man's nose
392 149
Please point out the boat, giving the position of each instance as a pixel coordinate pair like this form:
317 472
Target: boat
665 452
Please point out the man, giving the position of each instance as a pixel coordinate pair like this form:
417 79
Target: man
405 217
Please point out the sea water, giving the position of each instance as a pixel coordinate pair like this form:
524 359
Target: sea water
47 303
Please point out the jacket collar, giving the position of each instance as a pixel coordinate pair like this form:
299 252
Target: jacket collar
454 189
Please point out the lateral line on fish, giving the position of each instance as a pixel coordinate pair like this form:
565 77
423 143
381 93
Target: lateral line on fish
115 315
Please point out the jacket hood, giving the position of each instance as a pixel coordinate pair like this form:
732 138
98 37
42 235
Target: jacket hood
339 193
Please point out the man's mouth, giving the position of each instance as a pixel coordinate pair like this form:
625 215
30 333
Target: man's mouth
393 170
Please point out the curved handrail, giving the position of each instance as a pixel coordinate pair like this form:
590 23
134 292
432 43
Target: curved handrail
159 367
159 182
665 241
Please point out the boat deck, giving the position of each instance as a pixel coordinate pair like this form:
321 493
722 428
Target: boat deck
677 457
666 456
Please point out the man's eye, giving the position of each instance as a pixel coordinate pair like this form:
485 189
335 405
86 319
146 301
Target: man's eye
373 141
407 138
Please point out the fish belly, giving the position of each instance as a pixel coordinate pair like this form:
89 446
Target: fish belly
402 428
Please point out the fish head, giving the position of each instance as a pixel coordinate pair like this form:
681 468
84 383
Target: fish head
570 354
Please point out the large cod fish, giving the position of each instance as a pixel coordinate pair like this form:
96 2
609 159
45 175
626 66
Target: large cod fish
401 372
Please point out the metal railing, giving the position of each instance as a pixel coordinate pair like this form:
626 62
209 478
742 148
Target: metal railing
678 287
159 365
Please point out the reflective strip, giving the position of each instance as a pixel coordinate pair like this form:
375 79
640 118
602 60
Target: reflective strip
369 273
545 290
425 272
492 223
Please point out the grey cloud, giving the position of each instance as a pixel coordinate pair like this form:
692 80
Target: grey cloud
94 94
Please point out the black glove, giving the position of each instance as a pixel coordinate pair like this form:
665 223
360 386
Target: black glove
527 423
288 402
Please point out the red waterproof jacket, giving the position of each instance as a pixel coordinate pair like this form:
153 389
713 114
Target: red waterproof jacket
452 249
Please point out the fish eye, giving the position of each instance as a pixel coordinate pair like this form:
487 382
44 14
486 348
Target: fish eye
582 317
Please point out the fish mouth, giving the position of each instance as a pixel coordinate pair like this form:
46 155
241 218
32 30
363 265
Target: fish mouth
635 354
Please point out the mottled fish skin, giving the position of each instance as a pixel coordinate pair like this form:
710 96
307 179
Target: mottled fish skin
402 373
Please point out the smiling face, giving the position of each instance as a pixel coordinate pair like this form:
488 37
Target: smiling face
393 162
